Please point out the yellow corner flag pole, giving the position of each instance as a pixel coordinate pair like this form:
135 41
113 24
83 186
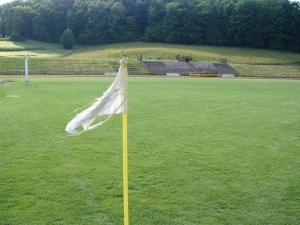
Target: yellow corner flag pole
125 153
125 170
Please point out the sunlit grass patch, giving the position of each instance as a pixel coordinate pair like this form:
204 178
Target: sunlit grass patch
37 53
279 71
17 46
31 48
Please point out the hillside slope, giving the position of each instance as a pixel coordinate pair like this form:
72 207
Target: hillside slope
98 59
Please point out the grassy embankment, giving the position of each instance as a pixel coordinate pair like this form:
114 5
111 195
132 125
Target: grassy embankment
85 60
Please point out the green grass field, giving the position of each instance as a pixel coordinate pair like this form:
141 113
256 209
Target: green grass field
201 151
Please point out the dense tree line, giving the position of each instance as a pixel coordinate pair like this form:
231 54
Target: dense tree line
271 24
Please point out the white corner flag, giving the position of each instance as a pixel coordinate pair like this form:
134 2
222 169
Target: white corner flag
110 103
113 101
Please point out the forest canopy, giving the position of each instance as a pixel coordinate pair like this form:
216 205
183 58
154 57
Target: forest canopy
269 24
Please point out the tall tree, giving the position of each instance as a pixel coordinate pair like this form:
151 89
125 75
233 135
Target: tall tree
77 19
244 23
41 23
156 14
141 17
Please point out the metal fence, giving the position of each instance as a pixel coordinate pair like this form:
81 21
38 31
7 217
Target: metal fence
65 67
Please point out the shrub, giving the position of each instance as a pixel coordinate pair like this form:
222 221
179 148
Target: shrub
67 39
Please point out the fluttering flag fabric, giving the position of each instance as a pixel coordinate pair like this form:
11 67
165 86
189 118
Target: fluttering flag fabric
108 104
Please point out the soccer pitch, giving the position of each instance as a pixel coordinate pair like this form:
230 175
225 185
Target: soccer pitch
201 151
